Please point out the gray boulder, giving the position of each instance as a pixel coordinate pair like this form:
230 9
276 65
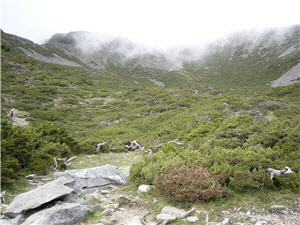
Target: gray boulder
66 213
192 219
17 220
178 213
165 217
136 221
97 177
35 198
144 188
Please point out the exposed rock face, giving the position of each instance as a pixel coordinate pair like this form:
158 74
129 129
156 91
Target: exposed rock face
17 220
66 213
288 78
289 51
97 177
56 59
39 196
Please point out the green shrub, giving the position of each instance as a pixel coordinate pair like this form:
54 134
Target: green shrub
239 169
27 149
289 181
71 101
144 171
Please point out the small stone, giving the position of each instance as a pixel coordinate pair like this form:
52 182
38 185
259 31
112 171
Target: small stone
154 202
46 180
192 219
144 188
123 200
31 176
278 207
104 192
260 222
136 221
106 212
165 217
173 211
239 209
225 221
115 206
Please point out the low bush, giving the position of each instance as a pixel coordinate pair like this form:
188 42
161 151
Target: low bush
189 184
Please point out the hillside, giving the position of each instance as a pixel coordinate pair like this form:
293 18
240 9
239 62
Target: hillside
234 105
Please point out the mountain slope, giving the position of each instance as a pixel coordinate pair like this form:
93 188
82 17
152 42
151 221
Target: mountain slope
245 59
250 59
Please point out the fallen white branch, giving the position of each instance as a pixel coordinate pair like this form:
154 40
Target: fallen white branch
133 146
65 163
102 144
278 173
188 213
175 142
70 159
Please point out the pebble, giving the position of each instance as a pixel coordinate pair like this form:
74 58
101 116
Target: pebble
192 219
106 212
104 192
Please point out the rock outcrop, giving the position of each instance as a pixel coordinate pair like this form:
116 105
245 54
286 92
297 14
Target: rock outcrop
290 77
65 213
39 196
87 180
58 201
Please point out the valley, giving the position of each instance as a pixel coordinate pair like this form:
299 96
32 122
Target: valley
234 105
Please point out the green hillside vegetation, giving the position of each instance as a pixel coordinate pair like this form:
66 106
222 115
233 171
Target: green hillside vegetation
232 125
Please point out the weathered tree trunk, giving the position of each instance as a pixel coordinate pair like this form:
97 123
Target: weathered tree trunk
133 145
188 213
104 143
278 173
65 163
175 142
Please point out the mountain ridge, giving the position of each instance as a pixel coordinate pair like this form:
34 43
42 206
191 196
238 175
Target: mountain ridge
251 55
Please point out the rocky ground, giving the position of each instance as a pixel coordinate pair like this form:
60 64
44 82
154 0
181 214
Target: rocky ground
139 210
124 205
18 118
288 78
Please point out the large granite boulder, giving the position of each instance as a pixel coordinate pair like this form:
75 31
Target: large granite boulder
67 187
37 197
97 177
65 213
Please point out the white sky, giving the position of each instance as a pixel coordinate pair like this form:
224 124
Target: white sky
154 22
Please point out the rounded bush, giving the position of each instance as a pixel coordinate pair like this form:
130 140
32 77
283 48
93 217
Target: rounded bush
189 184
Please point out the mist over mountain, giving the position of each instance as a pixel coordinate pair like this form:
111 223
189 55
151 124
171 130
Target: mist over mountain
251 54
97 50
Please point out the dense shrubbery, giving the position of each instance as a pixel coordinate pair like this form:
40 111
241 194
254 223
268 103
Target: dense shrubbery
233 133
236 158
25 150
